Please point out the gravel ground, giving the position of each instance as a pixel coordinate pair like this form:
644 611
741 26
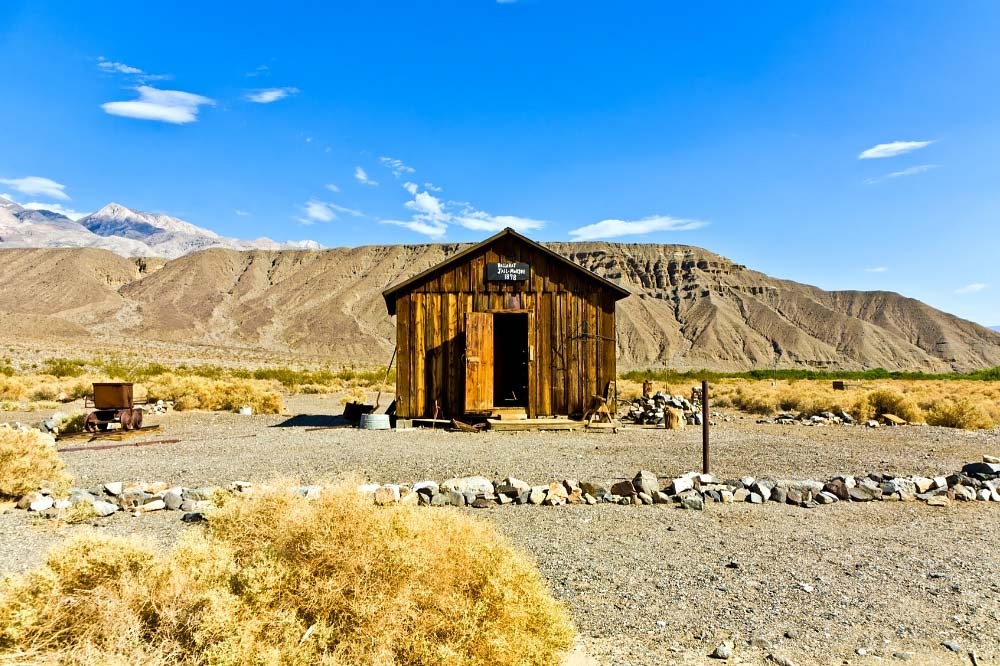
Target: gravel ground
647 585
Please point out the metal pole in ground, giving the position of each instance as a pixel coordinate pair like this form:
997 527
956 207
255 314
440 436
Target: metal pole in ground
704 426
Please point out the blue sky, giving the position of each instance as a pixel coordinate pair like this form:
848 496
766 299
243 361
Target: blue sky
738 127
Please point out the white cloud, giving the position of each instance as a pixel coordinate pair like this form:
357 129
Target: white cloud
332 187
318 211
168 106
431 187
117 67
362 177
241 213
396 166
971 288
910 171
431 216
324 211
268 95
112 67
613 228
55 208
428 207
261 70
877 269
432 229
892 149
38 187
478 220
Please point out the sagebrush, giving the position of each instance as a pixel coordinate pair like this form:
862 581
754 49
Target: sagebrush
277 579
29 461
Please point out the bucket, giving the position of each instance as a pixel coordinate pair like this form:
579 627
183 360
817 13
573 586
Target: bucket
375 422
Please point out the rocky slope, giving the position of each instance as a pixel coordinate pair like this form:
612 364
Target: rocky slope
690 308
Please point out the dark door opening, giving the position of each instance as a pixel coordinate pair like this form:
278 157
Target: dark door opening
510 360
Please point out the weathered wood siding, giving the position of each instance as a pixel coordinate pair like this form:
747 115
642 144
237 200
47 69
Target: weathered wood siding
571 329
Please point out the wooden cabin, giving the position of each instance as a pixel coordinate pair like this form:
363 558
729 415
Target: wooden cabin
505 323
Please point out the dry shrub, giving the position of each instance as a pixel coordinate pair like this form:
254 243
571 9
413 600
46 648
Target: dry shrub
962 413
886 401
279 579
215 394
28 461
353 394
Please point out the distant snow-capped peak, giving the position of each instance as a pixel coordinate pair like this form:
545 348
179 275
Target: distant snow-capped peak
117 220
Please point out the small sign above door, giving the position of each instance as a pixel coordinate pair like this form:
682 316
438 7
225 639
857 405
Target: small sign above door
512 271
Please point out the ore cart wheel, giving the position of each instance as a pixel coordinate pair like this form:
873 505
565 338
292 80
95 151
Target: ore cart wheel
136 418
125 418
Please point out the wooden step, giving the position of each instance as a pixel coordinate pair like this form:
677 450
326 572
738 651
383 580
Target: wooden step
509 413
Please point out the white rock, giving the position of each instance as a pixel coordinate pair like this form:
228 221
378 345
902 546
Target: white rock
681 484
432 485
155 505
477 485
113 488
104 508
41 504
368 488
62 504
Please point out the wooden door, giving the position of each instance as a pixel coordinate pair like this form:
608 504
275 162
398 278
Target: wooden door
478 361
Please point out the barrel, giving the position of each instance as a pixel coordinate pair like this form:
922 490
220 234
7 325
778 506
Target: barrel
375 422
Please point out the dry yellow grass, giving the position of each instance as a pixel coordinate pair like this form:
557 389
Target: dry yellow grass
950 403
28 461
277 579
194 392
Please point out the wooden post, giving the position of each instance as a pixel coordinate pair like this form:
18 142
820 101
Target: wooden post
704 426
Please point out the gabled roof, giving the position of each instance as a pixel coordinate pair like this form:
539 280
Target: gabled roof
390 294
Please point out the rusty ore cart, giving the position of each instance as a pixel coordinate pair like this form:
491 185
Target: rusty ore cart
113 403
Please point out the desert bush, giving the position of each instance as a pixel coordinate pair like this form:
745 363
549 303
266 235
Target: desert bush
72 424
63 367
130 369
279 579
215 394
963 413
28 461
885 401
7 370
353 394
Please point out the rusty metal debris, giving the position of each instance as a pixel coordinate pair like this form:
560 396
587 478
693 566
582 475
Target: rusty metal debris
113 403
105 447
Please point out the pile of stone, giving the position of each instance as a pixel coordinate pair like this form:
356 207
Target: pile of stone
159 407
652 409
976 481
979 481
109 498
823 418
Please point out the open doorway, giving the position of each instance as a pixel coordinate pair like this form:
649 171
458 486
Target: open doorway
510 359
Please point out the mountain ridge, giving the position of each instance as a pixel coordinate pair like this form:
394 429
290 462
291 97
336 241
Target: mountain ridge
121 230
689 308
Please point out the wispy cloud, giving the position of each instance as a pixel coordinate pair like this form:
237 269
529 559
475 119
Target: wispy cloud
877 269
431 187
432 217
971 288
260 70
892 149
332 187
910 171
614 228
241 213
324 211
37 186
268 95
361 176
114 67
117 67
168 106
396 166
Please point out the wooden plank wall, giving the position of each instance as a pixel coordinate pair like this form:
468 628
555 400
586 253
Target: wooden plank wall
572 331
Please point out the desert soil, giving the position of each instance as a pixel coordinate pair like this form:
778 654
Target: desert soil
645 585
